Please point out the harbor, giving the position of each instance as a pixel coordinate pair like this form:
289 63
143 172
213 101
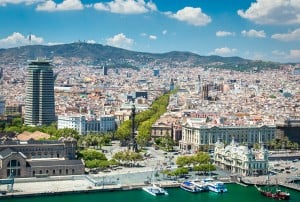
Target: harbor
125 179
235 192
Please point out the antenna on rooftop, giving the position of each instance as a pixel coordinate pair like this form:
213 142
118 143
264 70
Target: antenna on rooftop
29 38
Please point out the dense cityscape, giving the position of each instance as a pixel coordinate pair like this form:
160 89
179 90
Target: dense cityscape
83 117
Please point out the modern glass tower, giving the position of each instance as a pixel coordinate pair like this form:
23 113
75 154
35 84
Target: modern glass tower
39 105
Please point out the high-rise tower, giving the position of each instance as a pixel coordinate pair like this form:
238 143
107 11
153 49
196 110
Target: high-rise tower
39 106
104 69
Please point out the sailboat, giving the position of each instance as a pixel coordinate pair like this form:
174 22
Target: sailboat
154 189
271 193
277 194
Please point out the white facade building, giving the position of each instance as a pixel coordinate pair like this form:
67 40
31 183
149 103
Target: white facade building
84 125
241 160
76 122
196 134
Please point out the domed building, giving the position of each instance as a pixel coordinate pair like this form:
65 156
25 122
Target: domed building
241 160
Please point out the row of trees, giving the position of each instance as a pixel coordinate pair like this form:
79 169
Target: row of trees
284 143
95 159
94 140
127 158
17 126
199 162
165 143
144 121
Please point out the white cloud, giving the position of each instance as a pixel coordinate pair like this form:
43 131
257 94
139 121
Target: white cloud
278 53
91 41
17 39
54 43
120 40
224 33
50 5
27 2
294 54
164 32
88 5
254 33
291 56
273 12
152 37
291 36
190 15
126 6
224 51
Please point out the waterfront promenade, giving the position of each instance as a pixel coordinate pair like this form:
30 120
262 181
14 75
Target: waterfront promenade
124 179
121 179
134 177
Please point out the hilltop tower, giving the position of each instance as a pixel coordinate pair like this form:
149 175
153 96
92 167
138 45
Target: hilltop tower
39 105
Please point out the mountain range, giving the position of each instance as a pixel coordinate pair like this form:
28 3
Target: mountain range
97 54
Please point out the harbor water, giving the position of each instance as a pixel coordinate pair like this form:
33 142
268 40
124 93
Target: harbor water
236 193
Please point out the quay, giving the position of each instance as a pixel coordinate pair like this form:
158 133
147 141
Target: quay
47 188
127 179
134 178
288 175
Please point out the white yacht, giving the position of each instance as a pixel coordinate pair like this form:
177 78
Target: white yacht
201 185
155 190
215 186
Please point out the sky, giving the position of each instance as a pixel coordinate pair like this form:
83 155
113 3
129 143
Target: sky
254 29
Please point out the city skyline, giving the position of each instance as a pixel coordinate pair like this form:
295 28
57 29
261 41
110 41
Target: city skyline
252 29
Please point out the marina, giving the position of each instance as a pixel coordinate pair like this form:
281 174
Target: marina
249 194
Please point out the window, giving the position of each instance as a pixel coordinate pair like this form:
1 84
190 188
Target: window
13 168
13 163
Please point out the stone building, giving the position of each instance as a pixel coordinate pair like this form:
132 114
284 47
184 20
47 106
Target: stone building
241 160
197 134
167 125
39 158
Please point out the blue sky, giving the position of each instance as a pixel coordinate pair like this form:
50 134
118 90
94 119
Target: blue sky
253 29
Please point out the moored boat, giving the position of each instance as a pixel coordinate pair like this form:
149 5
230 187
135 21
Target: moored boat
155 190
277 194
215 186
190 187
201 185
